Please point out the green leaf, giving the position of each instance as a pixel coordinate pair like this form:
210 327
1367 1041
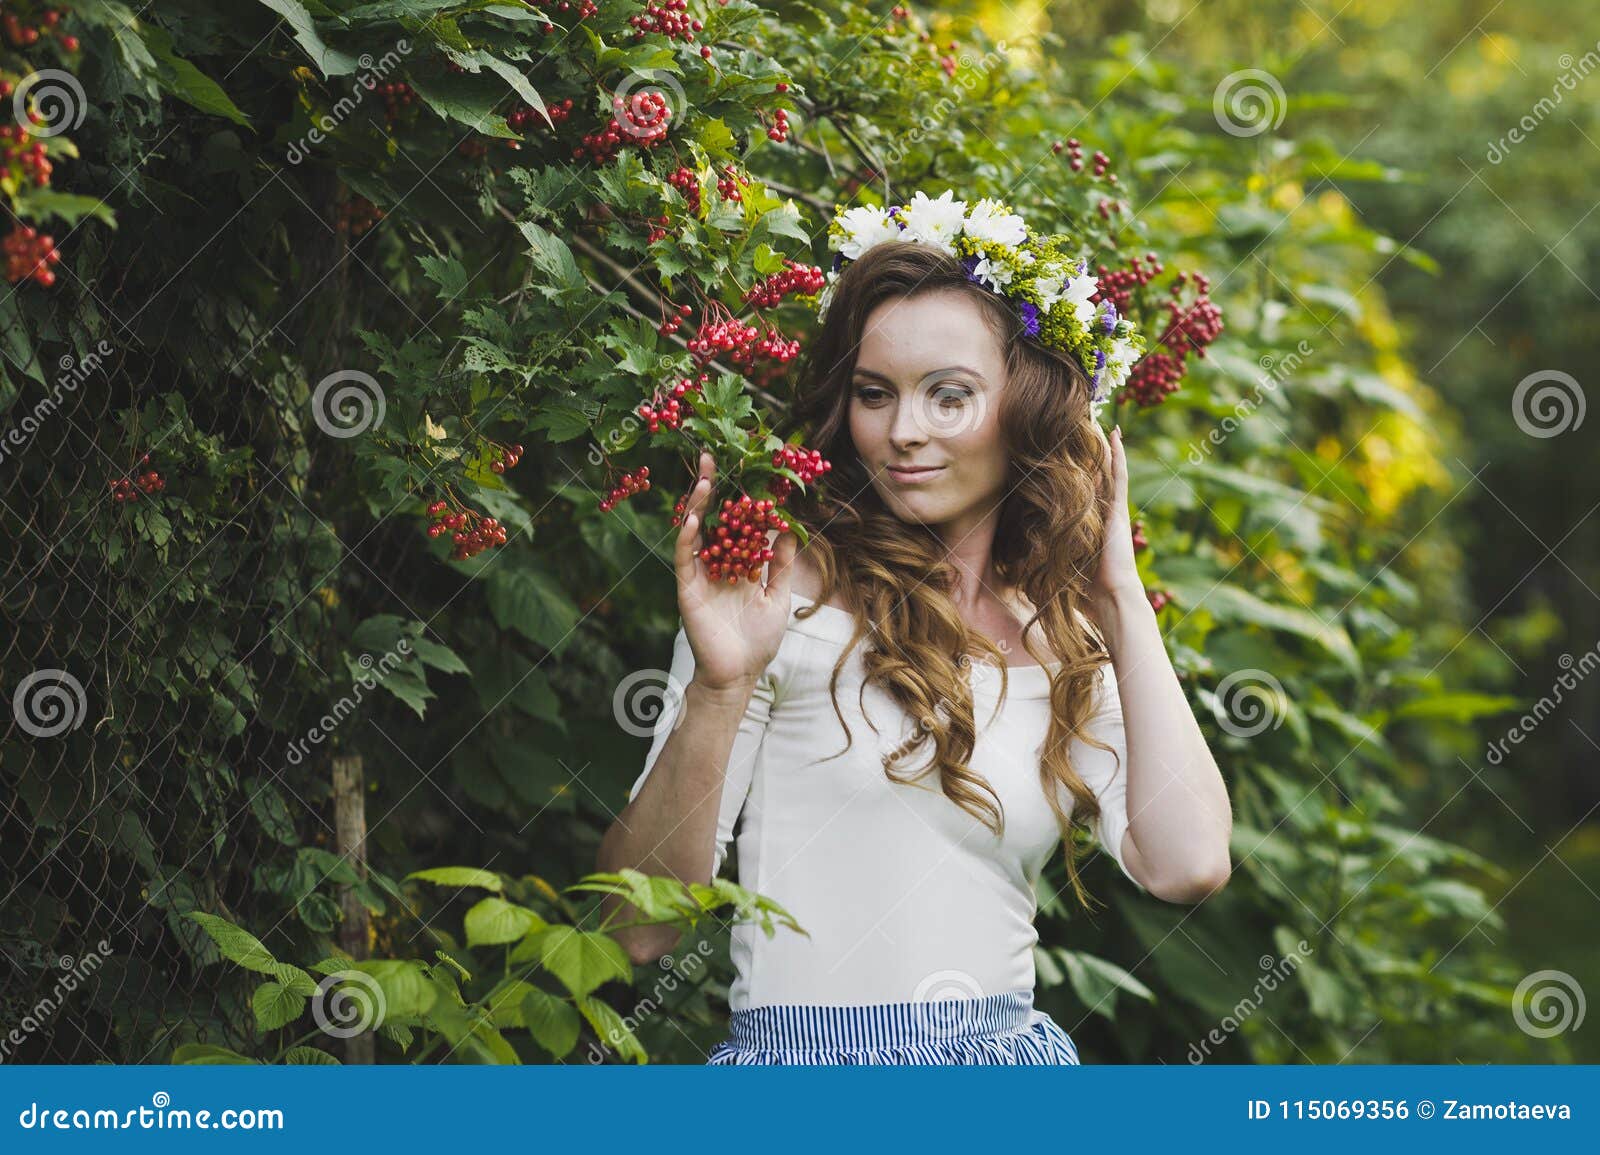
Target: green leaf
534 604
614 1033
581 959
237 944
309 1057
551 256
185 81
494 921
552 1022
466 99
208 1054
1231 603
459 876
276 1006
407 992
1096 982
331 61
440 657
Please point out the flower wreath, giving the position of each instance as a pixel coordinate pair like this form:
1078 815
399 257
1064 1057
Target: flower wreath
1051 291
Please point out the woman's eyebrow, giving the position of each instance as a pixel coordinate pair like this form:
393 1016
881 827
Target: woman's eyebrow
859 372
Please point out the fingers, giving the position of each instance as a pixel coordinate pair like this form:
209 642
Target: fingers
780 570
693 516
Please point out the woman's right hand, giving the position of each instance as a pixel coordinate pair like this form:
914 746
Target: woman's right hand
734 628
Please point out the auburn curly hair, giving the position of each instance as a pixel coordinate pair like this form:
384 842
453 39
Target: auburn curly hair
893 575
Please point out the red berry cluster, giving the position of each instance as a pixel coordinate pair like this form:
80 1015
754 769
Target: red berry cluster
586 8
670 19
808 463
528 116
20 35
1119 285
684 180
357 215
627 485
506 459
647 117
660 227
397 97
28 254
471 531
803 280
738 546
729 184
675 408
1189 330
672 323
741 343
1074 150
148 482
1105 208
1158 599
21 156
1140 542
779 131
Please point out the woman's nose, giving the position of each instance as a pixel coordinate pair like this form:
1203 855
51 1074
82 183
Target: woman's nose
908 429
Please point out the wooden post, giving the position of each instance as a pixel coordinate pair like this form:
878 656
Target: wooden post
350 834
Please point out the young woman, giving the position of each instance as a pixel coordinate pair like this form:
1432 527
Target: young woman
905 721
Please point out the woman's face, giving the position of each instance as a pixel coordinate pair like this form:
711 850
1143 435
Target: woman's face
925 396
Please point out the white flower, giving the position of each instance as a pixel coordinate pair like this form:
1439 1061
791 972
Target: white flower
995 275
825 296
1049 285
990 222
864 227
1121 358
935 222
1078 291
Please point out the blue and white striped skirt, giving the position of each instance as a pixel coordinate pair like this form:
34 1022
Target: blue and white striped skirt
999 1030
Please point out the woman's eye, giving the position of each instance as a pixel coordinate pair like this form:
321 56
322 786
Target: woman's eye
870 394
950 396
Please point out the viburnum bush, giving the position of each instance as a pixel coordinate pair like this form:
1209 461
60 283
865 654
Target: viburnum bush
423 313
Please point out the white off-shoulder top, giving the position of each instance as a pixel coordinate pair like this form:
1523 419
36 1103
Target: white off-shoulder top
905 895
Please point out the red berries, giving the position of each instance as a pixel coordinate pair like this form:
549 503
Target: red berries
737 547
725 335
397 97
149 482
627 486
356 215
803 280
471 532
684 180
676 407
1140 542
779 131
642 118
28 254
669 19
729 183
1189 330
528 116
670 324
506 459
21 156
1158 599
808 463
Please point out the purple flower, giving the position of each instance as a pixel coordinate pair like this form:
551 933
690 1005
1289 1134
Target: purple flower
1030 318
969 264
838 260
1099 370
1111 318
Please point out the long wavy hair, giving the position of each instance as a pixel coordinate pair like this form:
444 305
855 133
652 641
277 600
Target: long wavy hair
894 575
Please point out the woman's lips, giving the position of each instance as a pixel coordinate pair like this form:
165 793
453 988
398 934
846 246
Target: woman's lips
914 476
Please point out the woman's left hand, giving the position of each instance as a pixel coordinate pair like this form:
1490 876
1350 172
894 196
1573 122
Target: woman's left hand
1116 579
